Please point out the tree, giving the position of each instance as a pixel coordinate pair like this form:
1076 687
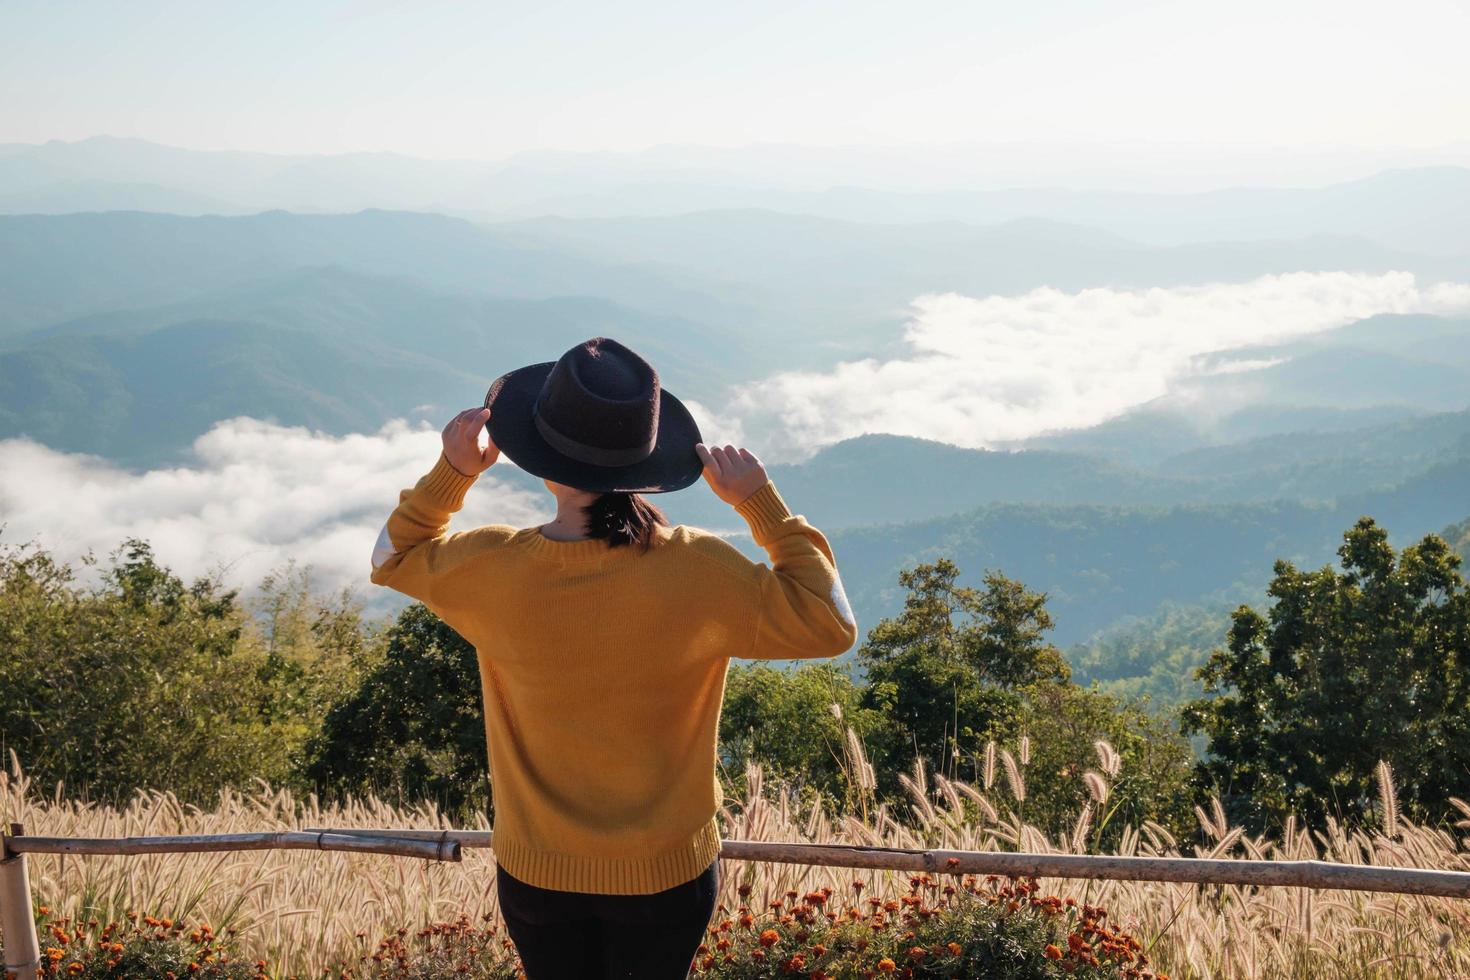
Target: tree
1347 667
793 723
1153 767
414 728
137 682
949 669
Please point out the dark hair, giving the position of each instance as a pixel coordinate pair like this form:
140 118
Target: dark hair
623 518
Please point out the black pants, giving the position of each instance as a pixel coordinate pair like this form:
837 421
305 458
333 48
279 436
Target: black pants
578 936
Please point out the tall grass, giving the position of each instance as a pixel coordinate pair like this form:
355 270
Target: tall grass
304 911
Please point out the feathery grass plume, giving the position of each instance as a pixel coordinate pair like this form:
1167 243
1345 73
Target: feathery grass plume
1080 829
1108 758
1218 809
1215 829
1160 836
1226 842
836 710
1013 775
952 801
988 772
975 796
1025 750
922 807
1097 786
860 772
1388 798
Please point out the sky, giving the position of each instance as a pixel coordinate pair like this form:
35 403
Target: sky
487 80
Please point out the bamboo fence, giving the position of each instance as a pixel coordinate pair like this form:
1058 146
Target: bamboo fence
22 949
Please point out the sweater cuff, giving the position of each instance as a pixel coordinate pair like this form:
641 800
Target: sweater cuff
446 486
763 510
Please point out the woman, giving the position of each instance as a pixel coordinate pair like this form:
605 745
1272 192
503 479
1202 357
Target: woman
603 638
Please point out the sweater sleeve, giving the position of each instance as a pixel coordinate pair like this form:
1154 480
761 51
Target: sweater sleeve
803 609
413 554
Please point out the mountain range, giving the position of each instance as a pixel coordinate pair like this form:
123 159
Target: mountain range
127 332
1423 209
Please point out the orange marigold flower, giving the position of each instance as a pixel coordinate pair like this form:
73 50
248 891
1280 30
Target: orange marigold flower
770 937
955 949
885 965
1053 951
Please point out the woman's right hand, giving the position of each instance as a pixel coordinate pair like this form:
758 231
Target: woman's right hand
461 439
733 474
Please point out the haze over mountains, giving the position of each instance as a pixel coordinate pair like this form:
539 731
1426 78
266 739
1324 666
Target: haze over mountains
1135 402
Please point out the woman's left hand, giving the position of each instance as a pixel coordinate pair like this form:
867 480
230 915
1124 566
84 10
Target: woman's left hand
462 442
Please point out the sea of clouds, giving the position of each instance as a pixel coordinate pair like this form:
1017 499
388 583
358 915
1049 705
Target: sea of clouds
983 371
976 371
257 496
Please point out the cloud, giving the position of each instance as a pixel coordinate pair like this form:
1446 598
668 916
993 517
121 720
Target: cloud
982 371
257 496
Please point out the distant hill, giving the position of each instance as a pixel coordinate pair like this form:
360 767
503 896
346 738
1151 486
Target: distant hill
1424 209
884 479
1100 564
69 196
324 348
59 267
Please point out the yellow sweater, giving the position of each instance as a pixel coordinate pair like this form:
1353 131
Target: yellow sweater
603 671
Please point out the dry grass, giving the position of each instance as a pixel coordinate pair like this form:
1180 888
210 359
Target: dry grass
304 910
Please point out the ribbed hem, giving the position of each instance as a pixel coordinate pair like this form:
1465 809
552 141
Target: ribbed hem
763 511
609 876
446 485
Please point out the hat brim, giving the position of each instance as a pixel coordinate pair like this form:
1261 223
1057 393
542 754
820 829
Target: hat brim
673 464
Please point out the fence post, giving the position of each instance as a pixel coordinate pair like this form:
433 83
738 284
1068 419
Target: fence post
17 921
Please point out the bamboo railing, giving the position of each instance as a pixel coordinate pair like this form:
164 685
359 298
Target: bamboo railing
22 949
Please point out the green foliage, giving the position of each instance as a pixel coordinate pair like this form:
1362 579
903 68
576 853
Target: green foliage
1153 658
1347 667
142 681
139 681
793 723
413 729
946 671
1151 782
138 947
961 667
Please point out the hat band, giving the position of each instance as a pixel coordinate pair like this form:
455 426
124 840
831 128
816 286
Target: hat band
592 455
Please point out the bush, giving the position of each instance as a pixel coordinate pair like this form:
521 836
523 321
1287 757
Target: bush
139 681
144 947
442 951
414 728
948 927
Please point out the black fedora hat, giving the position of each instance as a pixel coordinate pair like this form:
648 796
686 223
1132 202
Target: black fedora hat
595 419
